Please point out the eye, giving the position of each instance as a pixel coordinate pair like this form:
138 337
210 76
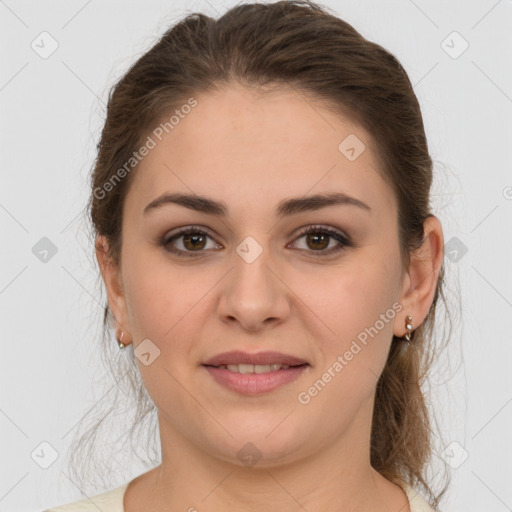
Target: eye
194 240
319 237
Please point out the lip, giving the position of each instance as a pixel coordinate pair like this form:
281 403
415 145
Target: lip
240 357
255 383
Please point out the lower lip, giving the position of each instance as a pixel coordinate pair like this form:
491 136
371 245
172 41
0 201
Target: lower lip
255 383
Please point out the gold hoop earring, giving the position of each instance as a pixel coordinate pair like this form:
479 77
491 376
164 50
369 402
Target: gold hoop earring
408 326
119 340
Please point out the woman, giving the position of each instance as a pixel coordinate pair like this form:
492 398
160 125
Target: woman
260 202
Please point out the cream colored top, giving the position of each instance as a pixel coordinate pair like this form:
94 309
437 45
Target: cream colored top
112 501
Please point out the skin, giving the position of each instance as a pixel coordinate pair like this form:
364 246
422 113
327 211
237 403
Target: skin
251 152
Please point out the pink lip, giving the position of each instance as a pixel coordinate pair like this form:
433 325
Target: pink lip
240 357
255 383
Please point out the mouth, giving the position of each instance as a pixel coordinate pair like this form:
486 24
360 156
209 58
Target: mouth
244 360
254 373
249 379
255 368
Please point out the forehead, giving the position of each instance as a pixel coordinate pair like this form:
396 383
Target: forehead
247 148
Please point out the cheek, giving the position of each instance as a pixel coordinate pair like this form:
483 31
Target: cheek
349 300
355 318
161 307
151 304
353 357
164 302
156 297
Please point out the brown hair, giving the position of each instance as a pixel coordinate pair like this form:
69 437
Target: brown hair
300 45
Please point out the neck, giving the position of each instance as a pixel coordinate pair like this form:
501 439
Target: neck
193 480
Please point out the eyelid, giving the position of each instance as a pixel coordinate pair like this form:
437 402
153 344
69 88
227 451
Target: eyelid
321 227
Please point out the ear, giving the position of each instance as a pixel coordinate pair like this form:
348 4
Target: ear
111 275
420 281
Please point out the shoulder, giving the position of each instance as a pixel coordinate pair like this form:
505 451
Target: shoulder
109 501
416 501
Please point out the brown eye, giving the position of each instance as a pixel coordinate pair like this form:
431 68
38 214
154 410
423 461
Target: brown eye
192 240
318 238
319 241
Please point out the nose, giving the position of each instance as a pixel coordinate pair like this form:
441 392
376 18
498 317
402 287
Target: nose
254 296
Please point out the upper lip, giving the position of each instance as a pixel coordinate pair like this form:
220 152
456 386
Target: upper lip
239 357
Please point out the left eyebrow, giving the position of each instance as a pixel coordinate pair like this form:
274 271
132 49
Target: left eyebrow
284 208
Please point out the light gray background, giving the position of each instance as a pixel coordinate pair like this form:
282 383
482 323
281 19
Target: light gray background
51 114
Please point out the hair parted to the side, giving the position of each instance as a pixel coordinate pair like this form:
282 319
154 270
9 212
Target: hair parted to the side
296 44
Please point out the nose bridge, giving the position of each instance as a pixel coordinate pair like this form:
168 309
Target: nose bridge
251 272
253 293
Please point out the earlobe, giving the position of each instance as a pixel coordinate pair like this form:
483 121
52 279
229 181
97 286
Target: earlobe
421 280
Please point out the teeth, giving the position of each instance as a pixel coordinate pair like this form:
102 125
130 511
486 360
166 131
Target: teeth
254 368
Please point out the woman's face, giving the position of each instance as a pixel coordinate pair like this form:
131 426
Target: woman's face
252 282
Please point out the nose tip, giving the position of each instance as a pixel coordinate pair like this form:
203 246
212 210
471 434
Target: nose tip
253 327
253 296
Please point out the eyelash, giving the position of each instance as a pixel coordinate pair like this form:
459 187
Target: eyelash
339 236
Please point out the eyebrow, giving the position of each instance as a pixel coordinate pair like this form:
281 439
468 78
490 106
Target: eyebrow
284 208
